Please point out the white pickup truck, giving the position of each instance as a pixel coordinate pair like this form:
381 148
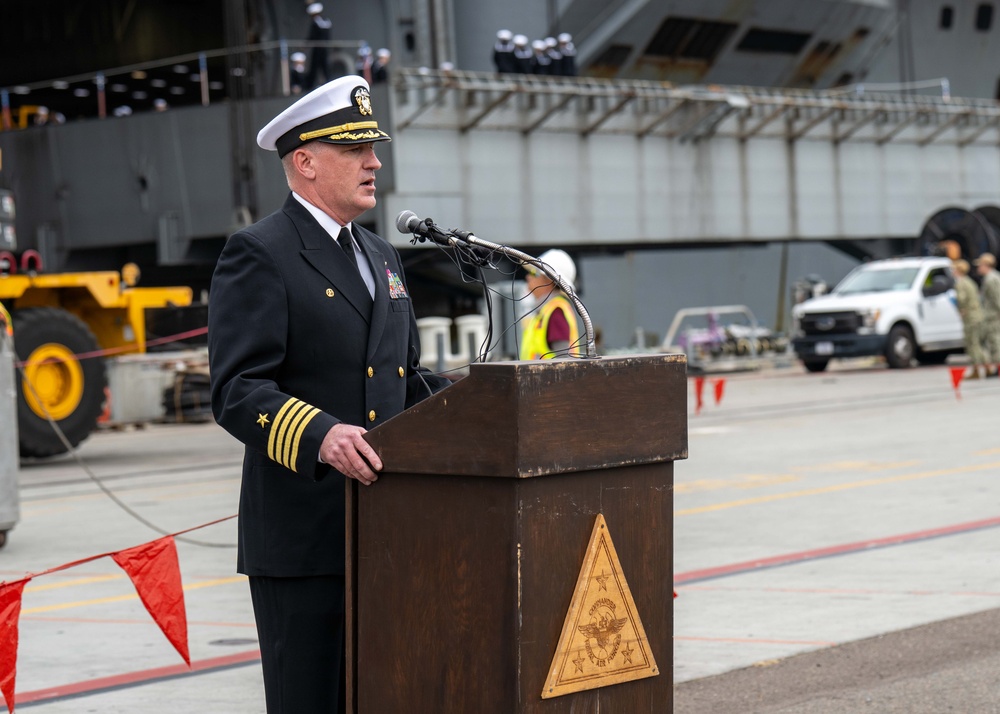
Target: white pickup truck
901 308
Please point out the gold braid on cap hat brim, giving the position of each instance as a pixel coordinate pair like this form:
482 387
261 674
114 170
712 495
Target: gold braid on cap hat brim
345 131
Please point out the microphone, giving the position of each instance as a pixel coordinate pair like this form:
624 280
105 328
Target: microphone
481 252
408 222
423 229
426 229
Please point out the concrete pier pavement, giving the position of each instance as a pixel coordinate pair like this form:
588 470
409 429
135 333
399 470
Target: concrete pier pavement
836 550
87 643
837 545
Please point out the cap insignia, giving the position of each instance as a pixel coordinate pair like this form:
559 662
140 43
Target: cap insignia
364 101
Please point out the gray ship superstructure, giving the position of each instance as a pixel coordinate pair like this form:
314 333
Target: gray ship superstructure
709 152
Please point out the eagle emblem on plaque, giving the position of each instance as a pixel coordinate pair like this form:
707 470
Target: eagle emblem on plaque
602 641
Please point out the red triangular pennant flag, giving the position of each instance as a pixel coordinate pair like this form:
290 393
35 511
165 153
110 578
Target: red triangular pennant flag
957 373
156 575
699 389
719 385
10 612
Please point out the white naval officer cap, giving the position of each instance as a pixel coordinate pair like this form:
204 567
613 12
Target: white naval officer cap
338 112
314 8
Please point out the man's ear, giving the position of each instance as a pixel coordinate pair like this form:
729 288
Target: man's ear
303 161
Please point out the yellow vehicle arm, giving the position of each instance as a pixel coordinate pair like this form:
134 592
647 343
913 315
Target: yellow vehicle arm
113 311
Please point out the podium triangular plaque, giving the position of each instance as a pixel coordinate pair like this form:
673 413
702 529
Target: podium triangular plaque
602 640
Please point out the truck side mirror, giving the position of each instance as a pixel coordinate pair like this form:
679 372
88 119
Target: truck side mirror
939 284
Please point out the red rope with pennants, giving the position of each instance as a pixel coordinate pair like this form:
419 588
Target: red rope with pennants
155 573
10 611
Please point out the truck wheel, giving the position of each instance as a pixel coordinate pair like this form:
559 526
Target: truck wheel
815 365
67 389
900 348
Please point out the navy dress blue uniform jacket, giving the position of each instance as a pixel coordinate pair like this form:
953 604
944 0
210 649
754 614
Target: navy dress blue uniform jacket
296 345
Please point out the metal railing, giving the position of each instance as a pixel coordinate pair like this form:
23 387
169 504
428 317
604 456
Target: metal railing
466 101
214 73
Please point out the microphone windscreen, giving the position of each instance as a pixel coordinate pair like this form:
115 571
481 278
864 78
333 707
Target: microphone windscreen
407 221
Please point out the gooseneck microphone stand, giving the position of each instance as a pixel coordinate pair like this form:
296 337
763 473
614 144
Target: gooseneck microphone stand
522 258
465 241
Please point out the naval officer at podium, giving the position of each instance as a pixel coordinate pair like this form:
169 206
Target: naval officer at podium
312 340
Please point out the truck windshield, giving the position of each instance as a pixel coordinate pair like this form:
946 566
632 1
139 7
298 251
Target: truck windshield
873 281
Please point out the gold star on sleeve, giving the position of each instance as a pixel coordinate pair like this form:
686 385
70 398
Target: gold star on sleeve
262 420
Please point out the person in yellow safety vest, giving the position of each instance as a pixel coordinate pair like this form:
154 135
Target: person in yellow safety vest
550 329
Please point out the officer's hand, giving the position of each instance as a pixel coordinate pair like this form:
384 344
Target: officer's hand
345 450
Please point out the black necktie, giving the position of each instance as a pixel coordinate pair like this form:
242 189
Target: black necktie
348 245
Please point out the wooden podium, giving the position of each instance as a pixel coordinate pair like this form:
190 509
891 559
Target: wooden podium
467 556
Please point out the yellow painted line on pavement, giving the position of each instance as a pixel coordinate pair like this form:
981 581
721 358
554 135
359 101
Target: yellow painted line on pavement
122 598
744 482
78 603
861 465
71 583
836 487
218 581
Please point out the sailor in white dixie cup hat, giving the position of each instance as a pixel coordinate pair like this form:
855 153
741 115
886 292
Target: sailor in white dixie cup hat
339 112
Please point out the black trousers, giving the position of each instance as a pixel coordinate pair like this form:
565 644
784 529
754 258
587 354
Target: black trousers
300 625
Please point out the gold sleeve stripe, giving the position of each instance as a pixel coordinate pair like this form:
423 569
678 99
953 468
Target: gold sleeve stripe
295 430
274 437
339 129
286 431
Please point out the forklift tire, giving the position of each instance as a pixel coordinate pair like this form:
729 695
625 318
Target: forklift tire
67 389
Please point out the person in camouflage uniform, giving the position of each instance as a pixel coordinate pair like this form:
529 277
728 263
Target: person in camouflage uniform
990 291
969 307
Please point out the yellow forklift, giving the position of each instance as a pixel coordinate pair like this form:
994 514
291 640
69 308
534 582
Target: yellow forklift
65 325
